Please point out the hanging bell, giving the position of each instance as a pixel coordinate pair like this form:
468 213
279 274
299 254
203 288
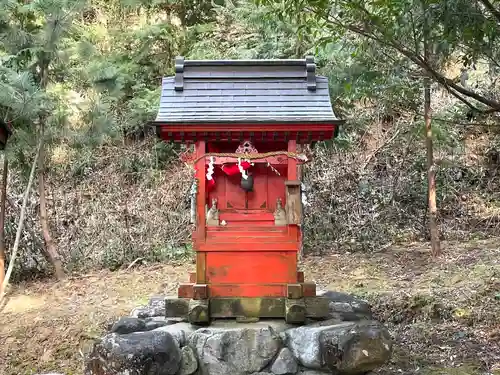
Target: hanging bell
247 183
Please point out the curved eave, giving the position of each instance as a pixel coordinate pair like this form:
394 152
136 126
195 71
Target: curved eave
302 132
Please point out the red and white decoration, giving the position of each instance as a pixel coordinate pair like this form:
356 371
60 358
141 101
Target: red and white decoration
240 167
210 172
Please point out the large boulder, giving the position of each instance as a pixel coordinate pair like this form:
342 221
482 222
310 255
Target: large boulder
285 363
152 352
367 346
346 307
180 332
130 324
347 348
189 362
235 350
155 307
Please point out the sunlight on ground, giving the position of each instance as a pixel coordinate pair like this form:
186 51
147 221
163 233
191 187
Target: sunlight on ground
45 325
22 303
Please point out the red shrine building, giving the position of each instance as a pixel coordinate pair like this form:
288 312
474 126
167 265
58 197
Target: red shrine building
247 120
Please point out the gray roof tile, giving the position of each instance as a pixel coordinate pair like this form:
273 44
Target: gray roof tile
250 91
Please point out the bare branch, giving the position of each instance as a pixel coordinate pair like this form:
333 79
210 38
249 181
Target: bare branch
461 98
488 5
20 224
418 60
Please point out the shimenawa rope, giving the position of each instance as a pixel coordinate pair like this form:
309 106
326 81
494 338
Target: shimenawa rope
246 156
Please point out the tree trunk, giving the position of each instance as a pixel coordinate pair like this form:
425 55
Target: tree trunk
50 247
20 224
3 199
431 168
431 172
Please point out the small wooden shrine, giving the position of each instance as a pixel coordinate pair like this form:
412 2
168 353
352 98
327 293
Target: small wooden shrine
247 120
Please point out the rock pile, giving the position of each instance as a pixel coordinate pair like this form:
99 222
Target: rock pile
350 342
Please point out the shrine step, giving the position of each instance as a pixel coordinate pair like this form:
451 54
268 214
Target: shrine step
246 223
245 233
257 245
241 216
260 290
241 219
246 236
252 228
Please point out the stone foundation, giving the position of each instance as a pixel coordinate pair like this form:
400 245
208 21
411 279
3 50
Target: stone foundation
148 342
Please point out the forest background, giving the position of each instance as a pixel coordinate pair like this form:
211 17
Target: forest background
84 77
403 206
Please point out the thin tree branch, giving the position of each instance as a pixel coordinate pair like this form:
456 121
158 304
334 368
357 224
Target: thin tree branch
438 77
20 224
28 228
414 57
414 31
462 99
488 5
377 150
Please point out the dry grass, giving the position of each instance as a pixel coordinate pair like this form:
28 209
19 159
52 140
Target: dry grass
46 325
444 314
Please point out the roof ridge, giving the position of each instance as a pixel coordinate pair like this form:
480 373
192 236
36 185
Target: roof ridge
217 72
246 62
255 93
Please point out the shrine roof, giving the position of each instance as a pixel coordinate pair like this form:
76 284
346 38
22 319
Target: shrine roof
245 91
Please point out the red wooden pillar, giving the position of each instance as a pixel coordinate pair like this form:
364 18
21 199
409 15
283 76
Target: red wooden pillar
201 199
293 229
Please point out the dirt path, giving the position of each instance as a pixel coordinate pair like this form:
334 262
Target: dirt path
444 314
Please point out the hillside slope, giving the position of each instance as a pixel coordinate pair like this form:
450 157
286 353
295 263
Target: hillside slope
443 314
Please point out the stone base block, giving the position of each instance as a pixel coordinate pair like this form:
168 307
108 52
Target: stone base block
342 339
201 311
295 311
198 312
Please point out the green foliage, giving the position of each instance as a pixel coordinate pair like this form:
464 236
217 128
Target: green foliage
165 153
33 41
82 166
115 257
459 30
244 31
364 71
106 58
20 97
